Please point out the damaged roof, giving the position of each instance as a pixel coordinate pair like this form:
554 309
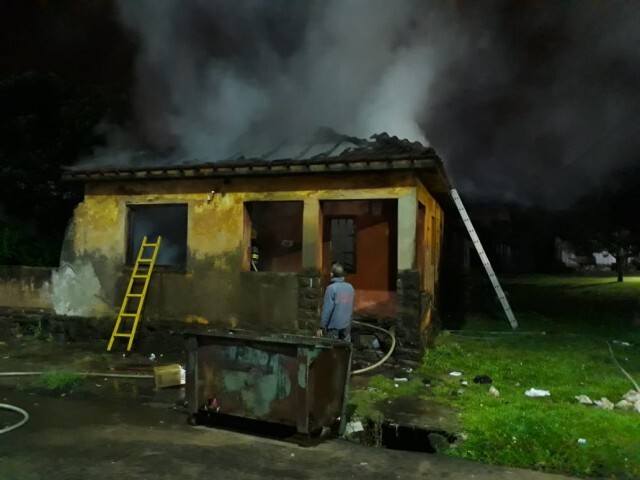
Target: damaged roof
327 152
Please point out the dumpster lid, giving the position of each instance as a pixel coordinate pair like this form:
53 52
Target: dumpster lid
280 338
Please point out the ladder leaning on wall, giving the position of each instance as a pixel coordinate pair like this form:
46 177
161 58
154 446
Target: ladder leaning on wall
136 292
484 259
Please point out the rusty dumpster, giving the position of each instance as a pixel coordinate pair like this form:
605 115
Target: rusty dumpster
291 380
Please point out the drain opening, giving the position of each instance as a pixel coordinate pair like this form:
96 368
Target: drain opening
413 439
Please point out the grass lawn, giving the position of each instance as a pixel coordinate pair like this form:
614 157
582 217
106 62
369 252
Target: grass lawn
561 347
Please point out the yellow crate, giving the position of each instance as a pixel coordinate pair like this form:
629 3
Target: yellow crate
168 375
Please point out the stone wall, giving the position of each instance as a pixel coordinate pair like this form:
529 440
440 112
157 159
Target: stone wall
158 337
409 308
309 301
25 288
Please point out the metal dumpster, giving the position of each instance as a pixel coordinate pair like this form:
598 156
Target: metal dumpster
291 380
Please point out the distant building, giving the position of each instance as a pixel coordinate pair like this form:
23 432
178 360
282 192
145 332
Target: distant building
566 256
603 259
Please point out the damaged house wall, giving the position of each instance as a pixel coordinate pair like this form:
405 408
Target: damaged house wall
215 285
249 240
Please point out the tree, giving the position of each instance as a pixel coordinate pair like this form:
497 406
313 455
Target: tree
606 218
45 123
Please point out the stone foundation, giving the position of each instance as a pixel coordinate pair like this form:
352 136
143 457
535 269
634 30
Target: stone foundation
410 300
156 336
309 301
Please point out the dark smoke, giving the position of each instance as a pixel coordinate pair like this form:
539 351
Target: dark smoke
525 101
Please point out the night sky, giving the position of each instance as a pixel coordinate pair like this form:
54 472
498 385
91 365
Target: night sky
531 102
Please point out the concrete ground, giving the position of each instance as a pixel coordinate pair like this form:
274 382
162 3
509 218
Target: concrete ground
80 438
125 429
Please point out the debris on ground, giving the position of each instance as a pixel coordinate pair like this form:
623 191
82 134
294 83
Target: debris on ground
621 343
426 382
169 375
354 427
584 400
604 403
493 391
401 379
630 401
582 441
535 392
464 383
485 379
632 396
625 405
455 374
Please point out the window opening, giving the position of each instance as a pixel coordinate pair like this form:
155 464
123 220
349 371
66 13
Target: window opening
168 221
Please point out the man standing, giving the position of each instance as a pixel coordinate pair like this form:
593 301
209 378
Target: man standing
337 309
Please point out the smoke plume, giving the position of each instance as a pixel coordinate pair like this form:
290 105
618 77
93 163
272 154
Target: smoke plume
529 101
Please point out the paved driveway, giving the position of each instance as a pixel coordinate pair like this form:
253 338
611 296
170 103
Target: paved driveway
102 438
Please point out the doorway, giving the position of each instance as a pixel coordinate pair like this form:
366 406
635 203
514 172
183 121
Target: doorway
362 235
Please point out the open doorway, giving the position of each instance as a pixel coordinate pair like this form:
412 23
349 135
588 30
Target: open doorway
362 236
273 236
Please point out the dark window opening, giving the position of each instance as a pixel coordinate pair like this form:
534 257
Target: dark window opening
343 243
167 221
273 235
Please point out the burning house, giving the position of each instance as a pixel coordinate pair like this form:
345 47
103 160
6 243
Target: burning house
248 242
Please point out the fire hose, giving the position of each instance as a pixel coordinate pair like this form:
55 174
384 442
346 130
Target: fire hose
25 415
386 357
13 408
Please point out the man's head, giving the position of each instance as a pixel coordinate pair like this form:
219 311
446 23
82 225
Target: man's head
337 270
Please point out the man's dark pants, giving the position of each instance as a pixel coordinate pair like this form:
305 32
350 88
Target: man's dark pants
338 334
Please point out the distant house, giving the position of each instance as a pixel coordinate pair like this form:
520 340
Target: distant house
373 205
603 259
566 256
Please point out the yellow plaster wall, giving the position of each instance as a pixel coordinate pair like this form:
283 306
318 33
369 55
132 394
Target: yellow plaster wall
215 221
215 234
431 270
101 218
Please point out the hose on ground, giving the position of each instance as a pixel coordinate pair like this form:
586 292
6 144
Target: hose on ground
86 374
25 415
386 357
13 408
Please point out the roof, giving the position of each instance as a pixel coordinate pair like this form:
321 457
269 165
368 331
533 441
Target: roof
327 152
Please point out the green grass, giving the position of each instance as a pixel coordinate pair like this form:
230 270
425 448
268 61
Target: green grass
59 380
561 347
541 432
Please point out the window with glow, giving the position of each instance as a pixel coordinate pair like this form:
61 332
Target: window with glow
273 236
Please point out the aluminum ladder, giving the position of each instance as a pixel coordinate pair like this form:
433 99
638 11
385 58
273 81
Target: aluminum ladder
136 291
484 259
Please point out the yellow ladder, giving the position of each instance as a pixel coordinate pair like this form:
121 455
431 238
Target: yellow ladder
136 291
